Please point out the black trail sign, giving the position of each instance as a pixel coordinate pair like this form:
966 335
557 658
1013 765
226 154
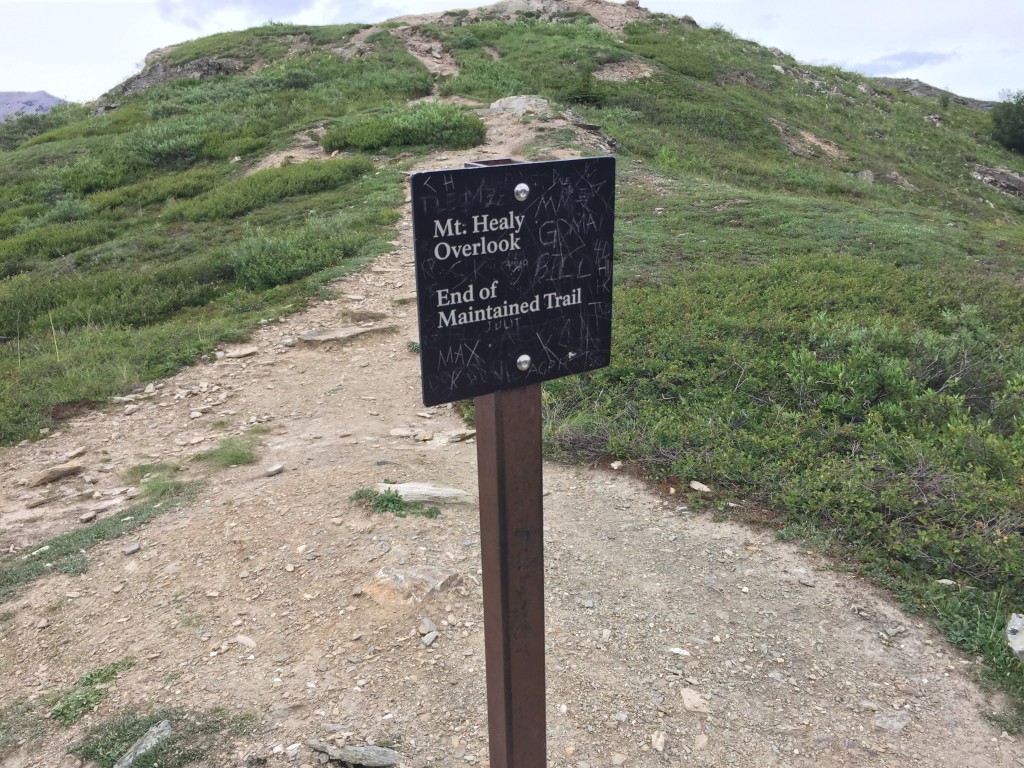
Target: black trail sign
513 274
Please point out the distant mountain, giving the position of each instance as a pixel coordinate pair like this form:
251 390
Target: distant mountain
37 102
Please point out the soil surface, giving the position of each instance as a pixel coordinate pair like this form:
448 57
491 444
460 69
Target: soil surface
625 71
672 639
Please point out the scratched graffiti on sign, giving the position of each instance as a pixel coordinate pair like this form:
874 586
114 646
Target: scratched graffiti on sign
501 279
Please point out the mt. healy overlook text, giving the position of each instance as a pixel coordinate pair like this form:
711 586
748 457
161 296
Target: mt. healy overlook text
513 273
465 311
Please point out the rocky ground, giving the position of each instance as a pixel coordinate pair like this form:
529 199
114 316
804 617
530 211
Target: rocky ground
672 639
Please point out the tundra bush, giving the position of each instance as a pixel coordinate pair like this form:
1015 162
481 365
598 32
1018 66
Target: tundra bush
158 190
426 124
263 261
270 185
19 253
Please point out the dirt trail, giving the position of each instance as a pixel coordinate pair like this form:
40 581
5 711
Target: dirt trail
667 631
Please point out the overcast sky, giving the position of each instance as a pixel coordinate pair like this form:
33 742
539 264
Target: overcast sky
78 49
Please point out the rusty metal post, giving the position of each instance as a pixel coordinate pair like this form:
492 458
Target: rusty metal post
510 472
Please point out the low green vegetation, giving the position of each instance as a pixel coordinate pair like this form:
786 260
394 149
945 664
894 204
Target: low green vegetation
24 723
195 736
270 41
13 133
391 502
427 124
158 481
142 472
269 186
535 57
163 189
232 451
91 690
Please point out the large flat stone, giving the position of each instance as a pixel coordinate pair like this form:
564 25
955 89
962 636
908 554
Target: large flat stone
371 757
342 336
55 473
1015 635
413 583
425 492
240 352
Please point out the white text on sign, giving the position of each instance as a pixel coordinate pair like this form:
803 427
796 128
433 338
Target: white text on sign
506 226
470 314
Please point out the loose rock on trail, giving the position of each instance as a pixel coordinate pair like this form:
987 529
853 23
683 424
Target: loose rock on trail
672 639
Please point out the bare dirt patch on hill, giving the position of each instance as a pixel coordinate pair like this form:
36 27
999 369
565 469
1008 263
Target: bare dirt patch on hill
806 144
306 147
672 639
625 71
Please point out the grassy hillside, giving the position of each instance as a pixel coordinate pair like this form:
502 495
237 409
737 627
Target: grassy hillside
134 241
843 350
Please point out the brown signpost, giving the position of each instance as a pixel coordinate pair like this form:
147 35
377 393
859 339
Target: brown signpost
509 469
514 287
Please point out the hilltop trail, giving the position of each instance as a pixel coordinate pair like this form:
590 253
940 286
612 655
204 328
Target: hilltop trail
712 641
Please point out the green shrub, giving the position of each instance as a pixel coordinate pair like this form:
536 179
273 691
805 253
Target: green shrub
13 219
90 173
426 124
170 143
486 79
268 41
674 47
269 186
232 452
583 89
263 261
891 422
19 253
89 692
15 131
1008 121
159 190
297 79
109 297
196 735
68 208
